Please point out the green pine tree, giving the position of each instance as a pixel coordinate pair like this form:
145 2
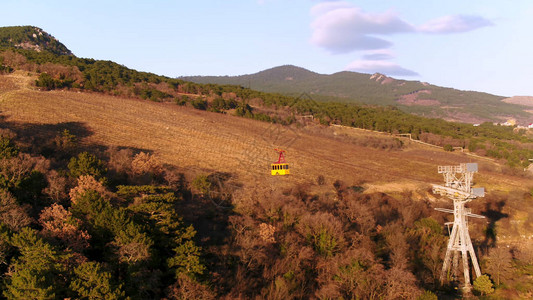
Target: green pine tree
37 272
91 281
483 285
86 164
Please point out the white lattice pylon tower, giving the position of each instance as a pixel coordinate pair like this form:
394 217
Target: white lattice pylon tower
458 187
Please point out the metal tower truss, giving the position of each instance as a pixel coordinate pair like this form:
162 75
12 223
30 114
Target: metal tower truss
458 187
459 177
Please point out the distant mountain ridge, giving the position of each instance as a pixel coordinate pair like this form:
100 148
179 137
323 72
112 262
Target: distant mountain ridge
349 87
378 89
31 38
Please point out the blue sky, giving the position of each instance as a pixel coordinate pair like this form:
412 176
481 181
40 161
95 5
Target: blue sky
481 45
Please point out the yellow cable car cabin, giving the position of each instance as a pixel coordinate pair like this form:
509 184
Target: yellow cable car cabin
280 167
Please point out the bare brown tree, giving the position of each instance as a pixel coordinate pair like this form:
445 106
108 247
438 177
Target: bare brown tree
58 223
187 288
499 264
57 186
401 284
12 214
120 160
399 248
14 169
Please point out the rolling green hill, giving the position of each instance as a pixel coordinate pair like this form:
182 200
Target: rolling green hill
410 96
31 38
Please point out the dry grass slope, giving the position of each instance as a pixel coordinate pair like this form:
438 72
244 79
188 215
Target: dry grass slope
202 141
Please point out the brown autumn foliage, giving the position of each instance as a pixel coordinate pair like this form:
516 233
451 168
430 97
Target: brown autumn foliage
58 223
359 215
401 284
357 246
266 232
120 160
396 241
61 71
17 61
87 183
185 288
13 214
146 167
145 163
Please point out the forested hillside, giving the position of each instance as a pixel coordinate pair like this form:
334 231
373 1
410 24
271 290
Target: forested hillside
377 89
90 209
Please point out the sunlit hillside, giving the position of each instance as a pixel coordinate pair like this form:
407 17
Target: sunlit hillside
120 184
329 166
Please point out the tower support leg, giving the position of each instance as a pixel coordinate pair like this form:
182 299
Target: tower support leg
465 245
449 252
473 256
455 265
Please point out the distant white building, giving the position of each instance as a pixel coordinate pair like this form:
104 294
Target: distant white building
530 126
510 122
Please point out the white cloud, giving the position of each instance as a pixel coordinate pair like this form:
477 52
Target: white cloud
340 27
379 66
455 24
